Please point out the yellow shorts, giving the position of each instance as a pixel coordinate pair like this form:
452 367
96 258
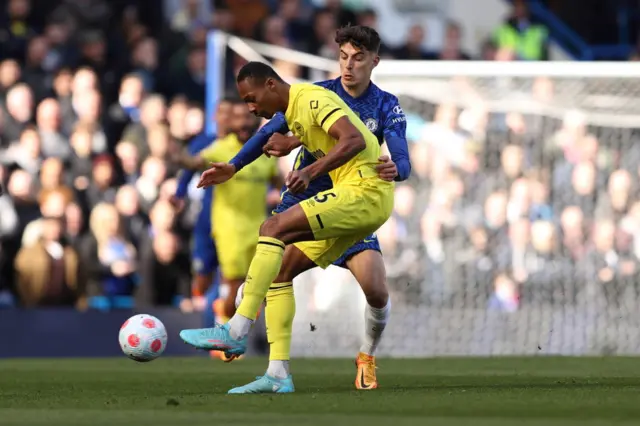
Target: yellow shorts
344 215
235 252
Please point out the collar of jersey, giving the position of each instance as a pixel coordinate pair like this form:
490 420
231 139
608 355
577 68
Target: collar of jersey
344 94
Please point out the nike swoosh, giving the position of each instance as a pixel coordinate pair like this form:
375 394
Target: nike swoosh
367 241
362 383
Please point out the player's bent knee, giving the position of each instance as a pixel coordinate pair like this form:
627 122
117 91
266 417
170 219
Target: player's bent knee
271 227
377 296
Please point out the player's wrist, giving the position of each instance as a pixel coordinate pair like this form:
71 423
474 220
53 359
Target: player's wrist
294 143
236 164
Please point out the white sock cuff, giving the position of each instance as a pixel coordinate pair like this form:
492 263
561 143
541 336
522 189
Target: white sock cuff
380 313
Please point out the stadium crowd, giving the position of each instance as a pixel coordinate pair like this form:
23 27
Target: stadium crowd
506 209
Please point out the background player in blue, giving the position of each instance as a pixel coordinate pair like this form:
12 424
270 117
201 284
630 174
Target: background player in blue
384 117
204 259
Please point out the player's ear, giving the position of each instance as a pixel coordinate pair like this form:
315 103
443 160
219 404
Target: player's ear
270 84
376 61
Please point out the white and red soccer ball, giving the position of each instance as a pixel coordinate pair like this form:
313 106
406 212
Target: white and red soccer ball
143 338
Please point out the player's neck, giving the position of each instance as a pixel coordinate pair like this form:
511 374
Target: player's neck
284 90
356 91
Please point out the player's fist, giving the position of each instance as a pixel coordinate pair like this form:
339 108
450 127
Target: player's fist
387 169
218 173
280 145
297 181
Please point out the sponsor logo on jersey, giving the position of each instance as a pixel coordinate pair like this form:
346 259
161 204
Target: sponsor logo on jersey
398 110
371 124
318 153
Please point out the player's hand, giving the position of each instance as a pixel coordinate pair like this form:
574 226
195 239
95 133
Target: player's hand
387 169
297 181
217 174
177 203
280 145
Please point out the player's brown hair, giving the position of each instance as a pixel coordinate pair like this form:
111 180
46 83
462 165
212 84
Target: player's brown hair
360 37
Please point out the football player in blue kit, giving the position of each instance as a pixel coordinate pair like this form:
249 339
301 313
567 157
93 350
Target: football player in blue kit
383 116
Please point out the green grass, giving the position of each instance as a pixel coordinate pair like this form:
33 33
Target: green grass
459 391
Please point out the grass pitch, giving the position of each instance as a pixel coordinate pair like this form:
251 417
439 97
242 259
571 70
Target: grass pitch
448 392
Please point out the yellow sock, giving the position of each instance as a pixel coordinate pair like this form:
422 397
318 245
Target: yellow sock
279 313
263 270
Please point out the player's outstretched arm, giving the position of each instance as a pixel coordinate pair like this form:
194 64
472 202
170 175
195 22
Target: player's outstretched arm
252 149
350 143
196 145
188 161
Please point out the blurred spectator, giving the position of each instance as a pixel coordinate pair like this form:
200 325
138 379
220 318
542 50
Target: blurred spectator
49 121
19 107
164 273
101 188
617 200
573 231
413 47
10 74
25 152
128 205
451 48
16 29
47 272
108 257
527 39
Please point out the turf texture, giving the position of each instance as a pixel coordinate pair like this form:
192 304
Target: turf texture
442 391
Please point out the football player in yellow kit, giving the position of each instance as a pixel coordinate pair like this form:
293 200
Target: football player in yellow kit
315 232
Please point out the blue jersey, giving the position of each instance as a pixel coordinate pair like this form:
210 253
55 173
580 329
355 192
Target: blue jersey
381 113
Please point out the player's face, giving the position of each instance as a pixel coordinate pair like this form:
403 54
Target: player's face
356 65
260 97
243 123
223 114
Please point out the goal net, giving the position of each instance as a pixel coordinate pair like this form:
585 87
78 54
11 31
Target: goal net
518 232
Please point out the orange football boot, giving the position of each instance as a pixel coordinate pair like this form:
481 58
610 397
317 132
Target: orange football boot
366 372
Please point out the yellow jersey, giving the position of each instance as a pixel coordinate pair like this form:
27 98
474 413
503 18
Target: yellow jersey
311 112
240 204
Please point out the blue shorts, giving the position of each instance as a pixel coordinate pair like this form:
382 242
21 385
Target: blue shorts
204 259
370 243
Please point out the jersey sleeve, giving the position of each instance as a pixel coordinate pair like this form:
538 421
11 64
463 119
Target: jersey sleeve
213 154
395 134
324 110
252 149
395 122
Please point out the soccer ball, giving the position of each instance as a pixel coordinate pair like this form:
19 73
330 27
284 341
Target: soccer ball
143 338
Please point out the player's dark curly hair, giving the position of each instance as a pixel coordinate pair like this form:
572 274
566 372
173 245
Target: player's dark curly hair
257 71
360 37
